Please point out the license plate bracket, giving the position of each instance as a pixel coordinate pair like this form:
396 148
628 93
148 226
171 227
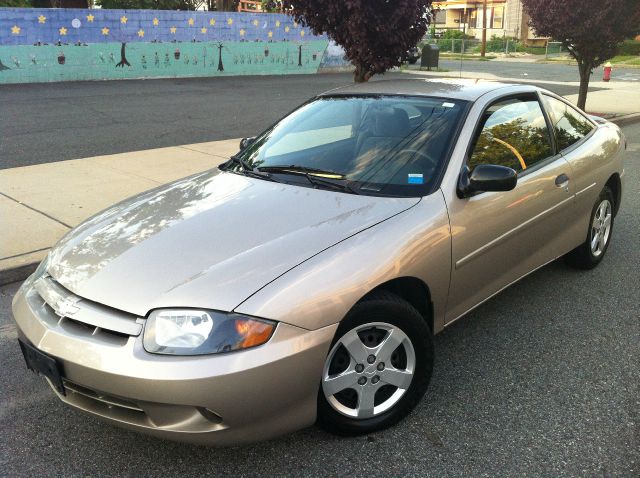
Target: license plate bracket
43 364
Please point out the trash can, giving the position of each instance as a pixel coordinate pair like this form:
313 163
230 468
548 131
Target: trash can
430 56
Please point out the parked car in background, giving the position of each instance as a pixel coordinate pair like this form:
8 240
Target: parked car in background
304 280
413 55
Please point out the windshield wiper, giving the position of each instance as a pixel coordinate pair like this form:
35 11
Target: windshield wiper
247 169
317 177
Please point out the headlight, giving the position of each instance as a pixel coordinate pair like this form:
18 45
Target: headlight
200 332
40 270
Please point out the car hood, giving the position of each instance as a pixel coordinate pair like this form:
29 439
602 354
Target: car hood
207 241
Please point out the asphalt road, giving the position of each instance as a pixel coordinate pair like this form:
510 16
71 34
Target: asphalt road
534 71
542 380
43 123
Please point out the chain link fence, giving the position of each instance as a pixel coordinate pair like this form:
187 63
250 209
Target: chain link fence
495 45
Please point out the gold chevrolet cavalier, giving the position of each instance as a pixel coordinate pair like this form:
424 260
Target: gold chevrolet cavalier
303 280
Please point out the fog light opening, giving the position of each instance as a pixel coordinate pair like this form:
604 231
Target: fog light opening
212 416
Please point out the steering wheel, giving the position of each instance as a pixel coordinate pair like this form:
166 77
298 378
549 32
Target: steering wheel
433 162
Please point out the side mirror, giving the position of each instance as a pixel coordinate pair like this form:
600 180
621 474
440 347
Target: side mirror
244 142
486 177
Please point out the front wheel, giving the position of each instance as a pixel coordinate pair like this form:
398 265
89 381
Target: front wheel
589 254
378 368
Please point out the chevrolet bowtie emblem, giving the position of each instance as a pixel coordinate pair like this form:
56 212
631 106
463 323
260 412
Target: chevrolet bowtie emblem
66 307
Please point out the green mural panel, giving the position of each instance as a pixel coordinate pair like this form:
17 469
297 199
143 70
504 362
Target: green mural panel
105 61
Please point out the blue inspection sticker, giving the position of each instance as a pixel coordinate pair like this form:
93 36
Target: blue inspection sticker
415 179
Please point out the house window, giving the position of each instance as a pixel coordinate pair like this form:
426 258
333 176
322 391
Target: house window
440 17
497 14
473 18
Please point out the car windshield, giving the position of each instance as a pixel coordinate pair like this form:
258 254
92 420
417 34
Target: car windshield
382 145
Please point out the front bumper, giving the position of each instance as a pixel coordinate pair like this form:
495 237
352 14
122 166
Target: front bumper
225 399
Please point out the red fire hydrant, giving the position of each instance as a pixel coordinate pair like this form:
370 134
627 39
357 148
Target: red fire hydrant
607 72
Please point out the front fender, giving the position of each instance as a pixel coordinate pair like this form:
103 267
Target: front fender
321 290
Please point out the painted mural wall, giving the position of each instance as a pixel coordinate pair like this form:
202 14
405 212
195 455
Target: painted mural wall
44 45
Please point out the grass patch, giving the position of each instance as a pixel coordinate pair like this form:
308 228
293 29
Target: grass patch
626 59
453 56
438 70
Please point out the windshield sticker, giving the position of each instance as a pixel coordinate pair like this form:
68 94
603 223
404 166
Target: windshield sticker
415 179
448 105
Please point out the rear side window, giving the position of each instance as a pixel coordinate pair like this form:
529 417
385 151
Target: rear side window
569 125
514 133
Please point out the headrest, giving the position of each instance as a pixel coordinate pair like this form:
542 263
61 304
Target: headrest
391 122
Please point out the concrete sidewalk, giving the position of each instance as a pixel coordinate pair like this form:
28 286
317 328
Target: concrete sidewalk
610 100
39 204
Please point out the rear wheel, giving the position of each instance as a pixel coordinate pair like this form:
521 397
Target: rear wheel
590 253
378 368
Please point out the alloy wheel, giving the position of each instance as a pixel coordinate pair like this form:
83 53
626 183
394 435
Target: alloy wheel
601 228
368 370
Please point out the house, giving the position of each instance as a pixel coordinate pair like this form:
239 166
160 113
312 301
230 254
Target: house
504 18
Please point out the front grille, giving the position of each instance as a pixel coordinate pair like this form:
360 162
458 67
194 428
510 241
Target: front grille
58 307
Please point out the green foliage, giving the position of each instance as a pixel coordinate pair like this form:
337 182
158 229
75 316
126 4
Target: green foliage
16 3
454 34
629 47
151 4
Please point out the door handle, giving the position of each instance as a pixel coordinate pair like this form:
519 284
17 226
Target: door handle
562 181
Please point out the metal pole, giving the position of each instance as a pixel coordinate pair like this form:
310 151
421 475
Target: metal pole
483 50
546 50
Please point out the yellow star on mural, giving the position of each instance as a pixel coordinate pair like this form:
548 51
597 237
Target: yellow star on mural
229 21
270 34
286 29
190 22
301 33
141 33
123 19
90 18
42 19
172 29
62 31
242 32
255 22
15 30
105 31
203 30
212 22
155 22
277 23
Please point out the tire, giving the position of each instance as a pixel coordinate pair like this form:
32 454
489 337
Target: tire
375 326
590 253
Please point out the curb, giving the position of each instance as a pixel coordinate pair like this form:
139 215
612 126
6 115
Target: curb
15 274
626 119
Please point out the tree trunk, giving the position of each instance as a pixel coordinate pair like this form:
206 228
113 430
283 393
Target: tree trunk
361 75
585 75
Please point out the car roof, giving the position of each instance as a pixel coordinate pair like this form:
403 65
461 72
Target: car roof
462 89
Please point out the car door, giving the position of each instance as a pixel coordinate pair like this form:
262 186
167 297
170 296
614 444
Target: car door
498 237
573 132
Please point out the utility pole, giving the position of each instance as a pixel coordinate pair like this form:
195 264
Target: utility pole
483 50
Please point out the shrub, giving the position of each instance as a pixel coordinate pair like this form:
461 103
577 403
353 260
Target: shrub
629 47
454 34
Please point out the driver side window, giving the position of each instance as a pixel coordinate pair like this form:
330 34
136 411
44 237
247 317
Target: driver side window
514 133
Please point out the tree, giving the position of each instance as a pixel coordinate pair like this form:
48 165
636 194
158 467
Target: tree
375 34
152 4
590 29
